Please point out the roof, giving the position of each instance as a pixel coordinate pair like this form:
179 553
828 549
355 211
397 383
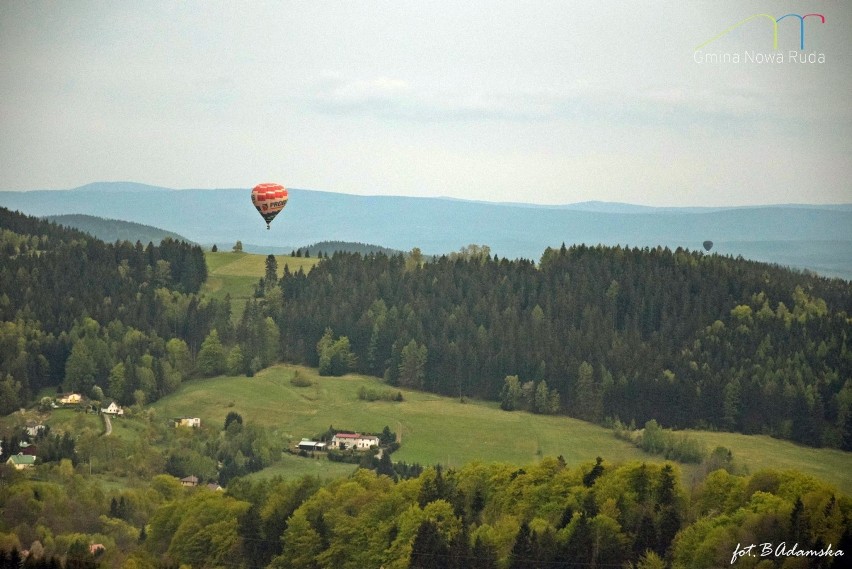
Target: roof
354 436
192 479
22 459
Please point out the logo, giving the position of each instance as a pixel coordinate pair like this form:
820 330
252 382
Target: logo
754 56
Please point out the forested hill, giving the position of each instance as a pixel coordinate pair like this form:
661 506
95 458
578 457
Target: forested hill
111 230
77 311
689 339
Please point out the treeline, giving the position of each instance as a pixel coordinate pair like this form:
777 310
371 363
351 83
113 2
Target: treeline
76 312
479 516
689 339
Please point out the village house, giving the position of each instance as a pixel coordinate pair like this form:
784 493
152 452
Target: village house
96 548
344 441
21 461
113 409
71 399
190 481
187 422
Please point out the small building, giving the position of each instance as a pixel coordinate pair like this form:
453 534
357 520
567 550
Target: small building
96 548
215 487
71 399
309 445
21 461
356 441
187 422
190 481
113 409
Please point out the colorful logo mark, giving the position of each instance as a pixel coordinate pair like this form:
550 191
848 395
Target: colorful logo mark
774 28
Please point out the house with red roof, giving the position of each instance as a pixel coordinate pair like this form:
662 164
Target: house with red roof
356 441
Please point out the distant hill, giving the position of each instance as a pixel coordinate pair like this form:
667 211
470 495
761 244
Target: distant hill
811 237
111 230
329 247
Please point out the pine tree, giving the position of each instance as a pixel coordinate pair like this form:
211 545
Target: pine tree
523 552
429 549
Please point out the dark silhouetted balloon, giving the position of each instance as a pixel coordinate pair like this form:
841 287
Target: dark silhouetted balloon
269 199
708 245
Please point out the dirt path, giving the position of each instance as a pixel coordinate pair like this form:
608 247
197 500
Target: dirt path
108 424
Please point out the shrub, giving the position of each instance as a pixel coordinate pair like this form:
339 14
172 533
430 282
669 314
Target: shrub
371 394
298 380
655 440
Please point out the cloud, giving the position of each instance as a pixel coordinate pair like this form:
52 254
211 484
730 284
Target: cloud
394 98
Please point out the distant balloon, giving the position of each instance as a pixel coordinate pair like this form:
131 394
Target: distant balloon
708 245
269 199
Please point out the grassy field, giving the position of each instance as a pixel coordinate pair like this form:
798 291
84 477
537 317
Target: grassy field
295 467
238 273
443 430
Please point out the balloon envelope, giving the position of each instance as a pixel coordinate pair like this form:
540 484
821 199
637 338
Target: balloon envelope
269 199
708 245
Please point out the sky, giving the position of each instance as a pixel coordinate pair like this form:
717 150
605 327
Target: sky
548 102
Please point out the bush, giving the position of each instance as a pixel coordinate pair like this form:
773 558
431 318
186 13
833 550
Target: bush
655 440
300 381
371 394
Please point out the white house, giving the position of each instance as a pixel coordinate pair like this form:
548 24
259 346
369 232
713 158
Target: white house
354 440
113 409
188 422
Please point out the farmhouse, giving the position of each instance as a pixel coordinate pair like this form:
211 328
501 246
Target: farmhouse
190 481
21 461
71 399
113 409
354 440
187 422
309 445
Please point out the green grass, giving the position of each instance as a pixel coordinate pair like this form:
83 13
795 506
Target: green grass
760 451
443 430
73 421
292 466
238 273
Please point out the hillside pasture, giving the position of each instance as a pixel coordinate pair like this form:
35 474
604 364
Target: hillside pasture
237 274
443 430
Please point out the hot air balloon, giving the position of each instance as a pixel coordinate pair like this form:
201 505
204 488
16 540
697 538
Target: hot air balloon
269 199
708 245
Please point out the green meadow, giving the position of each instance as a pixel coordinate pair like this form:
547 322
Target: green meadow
238 273
437 429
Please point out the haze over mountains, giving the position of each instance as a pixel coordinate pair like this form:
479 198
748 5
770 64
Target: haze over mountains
812 237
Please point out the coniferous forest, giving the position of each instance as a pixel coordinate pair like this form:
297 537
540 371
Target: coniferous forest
78 313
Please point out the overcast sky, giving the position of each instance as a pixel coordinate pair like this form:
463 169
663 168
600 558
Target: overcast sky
535 101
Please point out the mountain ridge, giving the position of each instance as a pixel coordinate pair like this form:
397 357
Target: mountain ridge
442 225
